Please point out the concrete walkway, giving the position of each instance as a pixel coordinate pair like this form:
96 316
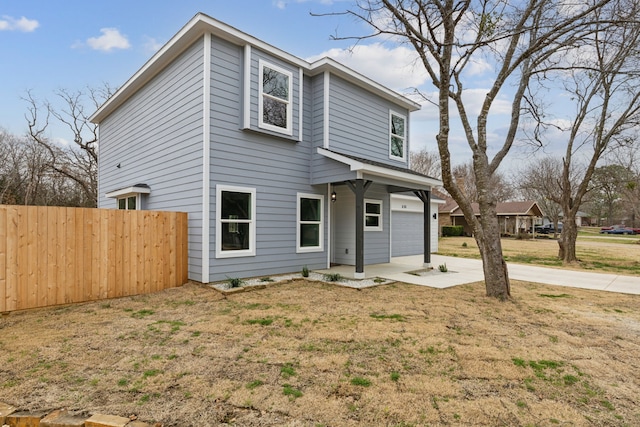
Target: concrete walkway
465 270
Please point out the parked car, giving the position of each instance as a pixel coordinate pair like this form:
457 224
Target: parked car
617 229
546 229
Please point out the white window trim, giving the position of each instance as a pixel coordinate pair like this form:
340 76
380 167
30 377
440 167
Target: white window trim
376 202
252 223
404 137
305 249
289 129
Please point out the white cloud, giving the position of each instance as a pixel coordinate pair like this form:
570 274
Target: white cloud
8 23
396 68
109 40
152 45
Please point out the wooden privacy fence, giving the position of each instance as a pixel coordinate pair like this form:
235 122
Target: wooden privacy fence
57 255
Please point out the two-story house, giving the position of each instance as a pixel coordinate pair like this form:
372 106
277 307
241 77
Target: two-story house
280 163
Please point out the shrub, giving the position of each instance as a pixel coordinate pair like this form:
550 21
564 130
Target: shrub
305 271
443 268
452 230
235 282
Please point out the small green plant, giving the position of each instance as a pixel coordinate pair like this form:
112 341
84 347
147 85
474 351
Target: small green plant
379 280
254 384
293 393
267 279
464 244
305 271
235 282
360 381
395 316
142 313
287 371
443 268
395 376
519 362
332 277
570 379
264 321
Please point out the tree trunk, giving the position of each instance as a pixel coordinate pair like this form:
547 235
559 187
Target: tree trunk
567 242
496 275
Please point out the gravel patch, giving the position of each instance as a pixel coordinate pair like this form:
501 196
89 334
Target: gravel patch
262 281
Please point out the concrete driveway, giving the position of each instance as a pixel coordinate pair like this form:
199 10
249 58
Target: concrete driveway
465 270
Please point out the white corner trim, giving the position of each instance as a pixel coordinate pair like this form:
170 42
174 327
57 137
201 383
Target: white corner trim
246 93
206 158
325 113
300 101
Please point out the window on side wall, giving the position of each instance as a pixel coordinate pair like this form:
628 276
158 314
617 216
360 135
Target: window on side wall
129 203
310 223
397 136
373 215
235 221
275 94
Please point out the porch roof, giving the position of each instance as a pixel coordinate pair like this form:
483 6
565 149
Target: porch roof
405 179
523 208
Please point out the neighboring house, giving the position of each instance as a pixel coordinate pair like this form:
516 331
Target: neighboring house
513 217
280 163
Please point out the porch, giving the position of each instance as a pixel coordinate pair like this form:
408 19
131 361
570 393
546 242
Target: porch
410 269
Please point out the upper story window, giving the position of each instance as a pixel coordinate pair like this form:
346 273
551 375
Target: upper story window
373 215
275 98
397 136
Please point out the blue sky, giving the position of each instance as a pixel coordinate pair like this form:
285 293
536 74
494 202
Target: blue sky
49 45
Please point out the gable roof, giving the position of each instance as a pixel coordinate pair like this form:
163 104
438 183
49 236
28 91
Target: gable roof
523 208
202 24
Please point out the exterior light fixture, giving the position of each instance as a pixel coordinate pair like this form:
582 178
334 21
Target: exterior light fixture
435 216
334 196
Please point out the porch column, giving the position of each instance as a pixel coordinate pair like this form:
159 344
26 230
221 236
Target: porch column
359 188
425 196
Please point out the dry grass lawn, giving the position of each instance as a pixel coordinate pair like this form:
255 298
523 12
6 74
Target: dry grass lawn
313 354
613 254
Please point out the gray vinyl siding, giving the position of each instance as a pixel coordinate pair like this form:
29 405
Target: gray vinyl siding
156 138
359 122
276 167
376 243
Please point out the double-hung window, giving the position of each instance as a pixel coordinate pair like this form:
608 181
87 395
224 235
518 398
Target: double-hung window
310 223
275 98
235 221
373 215
397 136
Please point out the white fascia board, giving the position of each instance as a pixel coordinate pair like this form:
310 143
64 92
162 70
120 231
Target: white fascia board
406 197
194 29
365 168
201 24
328 64
129 190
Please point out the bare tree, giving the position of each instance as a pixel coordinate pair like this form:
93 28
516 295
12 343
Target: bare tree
426 162
78 162
603 83
451 36
464 177
540 181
